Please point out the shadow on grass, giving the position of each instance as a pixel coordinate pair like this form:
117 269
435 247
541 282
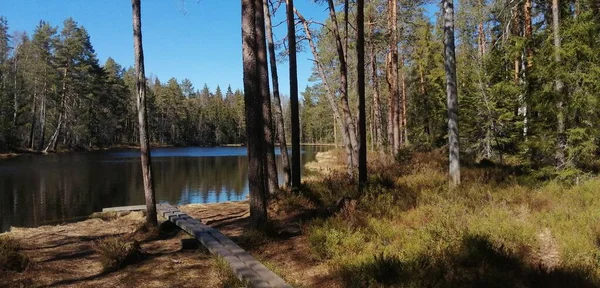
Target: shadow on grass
476 263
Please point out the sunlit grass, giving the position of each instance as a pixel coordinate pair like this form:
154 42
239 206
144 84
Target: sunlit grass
498 229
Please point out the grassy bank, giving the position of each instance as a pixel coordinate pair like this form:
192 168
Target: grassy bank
503 227
500 228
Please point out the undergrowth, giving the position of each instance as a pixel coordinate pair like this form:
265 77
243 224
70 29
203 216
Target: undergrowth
11 258
117 252
502 227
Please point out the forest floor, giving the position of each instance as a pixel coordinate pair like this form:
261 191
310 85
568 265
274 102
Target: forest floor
502 227
67 255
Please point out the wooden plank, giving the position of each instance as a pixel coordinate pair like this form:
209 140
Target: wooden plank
244 266
125 208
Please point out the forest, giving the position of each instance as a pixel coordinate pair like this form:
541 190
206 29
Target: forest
527 80
56 94
523 95
472 126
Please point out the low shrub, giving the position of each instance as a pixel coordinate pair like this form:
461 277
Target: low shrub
117 252
11 258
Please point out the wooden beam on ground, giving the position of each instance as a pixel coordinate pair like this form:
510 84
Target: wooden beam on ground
244 266
125 208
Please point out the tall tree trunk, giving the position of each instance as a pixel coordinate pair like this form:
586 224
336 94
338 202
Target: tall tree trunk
263 73
376 101
362 113
347 120
140 86
291 34
42 123
528 32
33 113
330 94
481 33
392 77
278 114
558 88
43 115
403 120
257 176
16 89
529 59
451 92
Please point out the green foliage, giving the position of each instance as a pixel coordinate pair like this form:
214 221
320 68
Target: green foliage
53 84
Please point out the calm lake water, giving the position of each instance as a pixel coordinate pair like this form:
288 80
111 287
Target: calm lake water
48 189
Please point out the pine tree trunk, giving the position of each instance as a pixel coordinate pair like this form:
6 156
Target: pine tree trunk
403 121
362 113
16 90
347 120
43 117
277 105
263 74
451 92
560 117
140 86
33 119
330 94
392 78
291 30
376 101
529 59
528 33
257 176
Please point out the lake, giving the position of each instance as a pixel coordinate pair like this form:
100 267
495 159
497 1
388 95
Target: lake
49 189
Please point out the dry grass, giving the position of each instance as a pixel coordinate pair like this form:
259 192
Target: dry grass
116 252
11 258
500 228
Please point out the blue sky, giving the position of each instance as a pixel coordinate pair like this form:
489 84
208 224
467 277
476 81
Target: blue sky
195 39
199 40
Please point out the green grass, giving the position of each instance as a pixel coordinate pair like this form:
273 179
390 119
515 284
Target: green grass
225 274
500 228
11 258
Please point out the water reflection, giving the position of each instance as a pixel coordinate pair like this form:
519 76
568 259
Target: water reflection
37 190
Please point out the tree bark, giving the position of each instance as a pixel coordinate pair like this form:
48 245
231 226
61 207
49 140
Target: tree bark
347 120
403 120
16 88
257 176
291 30
451 93
529 59
362 113
277 105
376 101
140 86
392 78
43 115
558 88
528 32
263 74
33 112
330 94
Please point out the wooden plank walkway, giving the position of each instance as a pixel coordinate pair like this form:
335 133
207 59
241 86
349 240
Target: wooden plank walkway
244 266
125 208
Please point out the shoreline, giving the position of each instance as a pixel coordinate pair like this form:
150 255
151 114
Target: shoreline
15 152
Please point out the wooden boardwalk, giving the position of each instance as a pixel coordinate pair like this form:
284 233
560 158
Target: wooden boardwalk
244 266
